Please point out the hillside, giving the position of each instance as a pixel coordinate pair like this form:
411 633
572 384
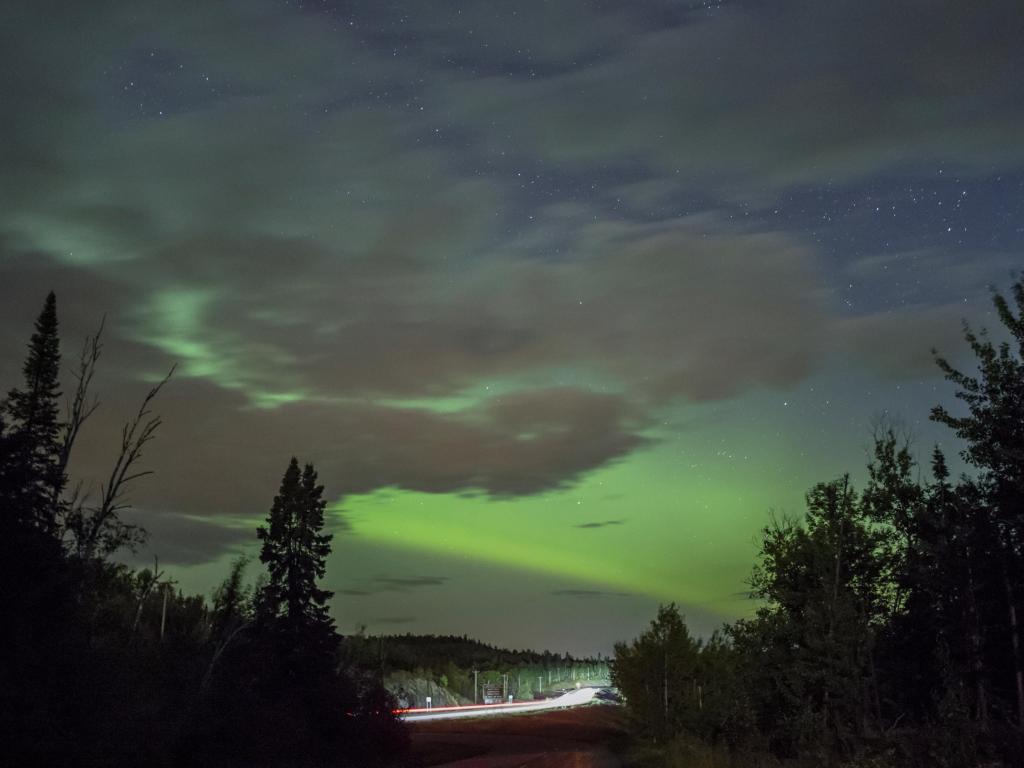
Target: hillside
442 667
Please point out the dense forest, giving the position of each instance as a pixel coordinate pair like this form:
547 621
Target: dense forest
414 666
889 626
107 666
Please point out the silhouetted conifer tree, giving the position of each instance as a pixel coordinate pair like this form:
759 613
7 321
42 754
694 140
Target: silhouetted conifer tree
38 628
31 473
273 692
291 608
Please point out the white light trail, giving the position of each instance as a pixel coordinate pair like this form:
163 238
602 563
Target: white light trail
570 699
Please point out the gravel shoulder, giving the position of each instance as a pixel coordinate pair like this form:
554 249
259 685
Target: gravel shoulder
583 737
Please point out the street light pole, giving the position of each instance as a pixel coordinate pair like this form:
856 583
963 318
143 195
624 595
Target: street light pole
475 673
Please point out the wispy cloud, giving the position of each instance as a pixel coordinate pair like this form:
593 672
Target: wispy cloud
587 593
178 539
381 584
409 582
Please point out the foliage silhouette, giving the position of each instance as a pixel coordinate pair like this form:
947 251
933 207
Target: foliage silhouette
104 665
888 631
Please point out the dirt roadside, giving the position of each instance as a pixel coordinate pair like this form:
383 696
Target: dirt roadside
585 737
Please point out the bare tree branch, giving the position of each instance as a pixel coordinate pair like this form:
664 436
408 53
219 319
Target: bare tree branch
103 519
78 411
145 594
219 651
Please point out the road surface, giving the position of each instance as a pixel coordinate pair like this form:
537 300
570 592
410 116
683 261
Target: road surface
576 737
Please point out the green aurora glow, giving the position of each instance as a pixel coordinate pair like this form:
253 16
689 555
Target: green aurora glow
563 303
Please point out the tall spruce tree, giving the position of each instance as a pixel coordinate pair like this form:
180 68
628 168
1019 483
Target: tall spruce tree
38 631
31 474
292 609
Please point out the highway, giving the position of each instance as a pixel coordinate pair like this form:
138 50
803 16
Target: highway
555 737
570 699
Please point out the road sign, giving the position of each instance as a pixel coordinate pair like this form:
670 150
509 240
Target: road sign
492 693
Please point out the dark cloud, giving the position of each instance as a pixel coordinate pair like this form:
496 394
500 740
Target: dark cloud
600 524
556 436
587 594
380 584
737 105
178 539
233 309
406 582
236 454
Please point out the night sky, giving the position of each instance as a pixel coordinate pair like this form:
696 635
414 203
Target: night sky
562 298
